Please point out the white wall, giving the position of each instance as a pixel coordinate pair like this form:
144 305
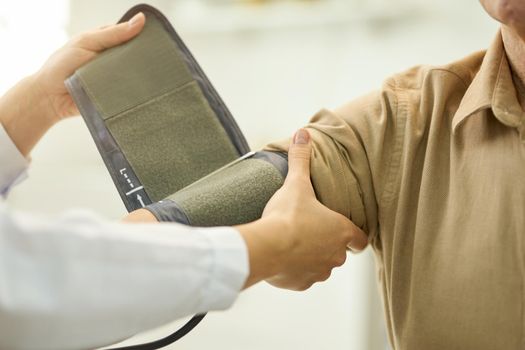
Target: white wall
274 68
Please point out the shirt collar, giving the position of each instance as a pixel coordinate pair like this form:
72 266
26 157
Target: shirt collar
492 87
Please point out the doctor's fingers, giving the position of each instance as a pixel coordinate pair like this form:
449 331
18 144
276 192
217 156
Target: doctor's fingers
309 280
356 239
109 36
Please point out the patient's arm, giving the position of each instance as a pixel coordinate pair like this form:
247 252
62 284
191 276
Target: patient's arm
352 166
298 241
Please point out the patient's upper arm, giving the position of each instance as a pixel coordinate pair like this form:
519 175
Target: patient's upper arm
350 162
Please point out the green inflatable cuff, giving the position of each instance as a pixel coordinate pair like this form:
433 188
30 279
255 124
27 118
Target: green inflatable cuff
233 195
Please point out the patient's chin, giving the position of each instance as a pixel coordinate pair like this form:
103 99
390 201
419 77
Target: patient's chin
512 13
508 12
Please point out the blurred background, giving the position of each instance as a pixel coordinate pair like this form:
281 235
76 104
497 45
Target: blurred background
275 63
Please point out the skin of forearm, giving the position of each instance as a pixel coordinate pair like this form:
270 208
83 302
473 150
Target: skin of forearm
25 114
267 247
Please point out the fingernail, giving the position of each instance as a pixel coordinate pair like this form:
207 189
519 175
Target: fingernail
301 137
133 21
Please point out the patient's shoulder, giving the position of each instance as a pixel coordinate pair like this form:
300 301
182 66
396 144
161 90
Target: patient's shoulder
454 75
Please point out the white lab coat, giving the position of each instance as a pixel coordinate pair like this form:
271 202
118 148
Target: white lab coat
81 282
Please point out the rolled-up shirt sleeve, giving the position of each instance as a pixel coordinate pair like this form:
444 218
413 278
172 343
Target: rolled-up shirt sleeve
79 282
13 165
352 149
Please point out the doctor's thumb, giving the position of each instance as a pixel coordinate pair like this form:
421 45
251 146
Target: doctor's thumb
299 155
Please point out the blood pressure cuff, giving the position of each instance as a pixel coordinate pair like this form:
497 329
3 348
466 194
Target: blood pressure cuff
232 195
163 131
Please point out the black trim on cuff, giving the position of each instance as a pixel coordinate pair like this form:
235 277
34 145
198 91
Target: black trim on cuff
277 159
168 211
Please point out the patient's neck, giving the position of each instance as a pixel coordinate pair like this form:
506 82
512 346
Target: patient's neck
515 49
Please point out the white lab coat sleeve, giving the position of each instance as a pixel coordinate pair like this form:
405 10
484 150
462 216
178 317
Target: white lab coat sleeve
78 282
13 165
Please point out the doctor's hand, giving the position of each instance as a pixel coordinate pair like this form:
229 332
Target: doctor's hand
298 241
40 100
77 52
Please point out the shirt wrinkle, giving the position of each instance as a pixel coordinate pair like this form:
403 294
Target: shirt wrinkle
388 193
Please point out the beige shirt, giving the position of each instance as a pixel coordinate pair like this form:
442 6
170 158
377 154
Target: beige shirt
432 167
